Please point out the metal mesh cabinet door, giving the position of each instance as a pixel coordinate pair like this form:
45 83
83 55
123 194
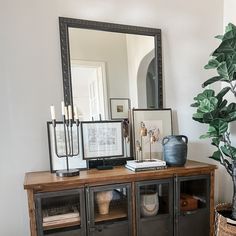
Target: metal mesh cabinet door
61 213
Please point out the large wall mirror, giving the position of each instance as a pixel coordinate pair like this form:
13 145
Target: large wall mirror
105 60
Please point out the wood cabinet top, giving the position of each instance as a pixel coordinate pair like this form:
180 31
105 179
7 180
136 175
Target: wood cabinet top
46 181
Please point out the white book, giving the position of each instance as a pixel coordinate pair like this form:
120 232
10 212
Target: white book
145 168
146 163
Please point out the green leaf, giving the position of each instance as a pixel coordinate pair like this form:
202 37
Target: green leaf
227 47
205 95
212 132
208 117
223 71
225 150
205 136
230 31
223 114
231 65
198 115
231 117
198 119
208 105
212 64
229 151
196 104
212 80
229 27
222 104
220 125
219 37
231 107
233 150
227 68
211 129
216 141
216 155
222 93
220 57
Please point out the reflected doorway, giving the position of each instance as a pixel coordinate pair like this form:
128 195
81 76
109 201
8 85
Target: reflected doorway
89 89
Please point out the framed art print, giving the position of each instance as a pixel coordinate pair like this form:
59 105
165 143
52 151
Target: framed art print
102 139
119 108
157 124
57 163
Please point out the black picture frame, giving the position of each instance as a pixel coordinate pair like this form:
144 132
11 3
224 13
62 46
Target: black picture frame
57 163
102 139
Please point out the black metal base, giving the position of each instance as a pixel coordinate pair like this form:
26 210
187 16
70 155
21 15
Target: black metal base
109 162
104 167
67 173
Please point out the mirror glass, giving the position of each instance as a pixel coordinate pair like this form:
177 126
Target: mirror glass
104 60
110 65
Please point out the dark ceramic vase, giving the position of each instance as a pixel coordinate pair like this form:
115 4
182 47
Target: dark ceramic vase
175 150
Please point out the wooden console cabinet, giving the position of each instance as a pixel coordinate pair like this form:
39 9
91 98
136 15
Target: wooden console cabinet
184 197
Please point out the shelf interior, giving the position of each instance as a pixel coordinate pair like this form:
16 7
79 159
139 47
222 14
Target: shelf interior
60 212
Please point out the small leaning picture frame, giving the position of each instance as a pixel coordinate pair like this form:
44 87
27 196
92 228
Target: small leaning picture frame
57 163
119 108
150 126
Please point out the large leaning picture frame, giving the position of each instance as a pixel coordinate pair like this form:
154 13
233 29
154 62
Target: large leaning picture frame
102 139
57 163
157 121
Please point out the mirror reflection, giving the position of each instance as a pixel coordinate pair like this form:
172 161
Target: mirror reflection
111 65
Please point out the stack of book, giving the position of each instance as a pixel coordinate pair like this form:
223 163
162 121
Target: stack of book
61 216
153 164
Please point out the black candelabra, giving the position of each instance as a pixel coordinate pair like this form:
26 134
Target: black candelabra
69 122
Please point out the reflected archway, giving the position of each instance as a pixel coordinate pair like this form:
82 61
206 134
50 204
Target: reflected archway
147 83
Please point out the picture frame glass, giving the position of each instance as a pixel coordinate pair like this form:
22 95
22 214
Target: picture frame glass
102 139
57 163
158 124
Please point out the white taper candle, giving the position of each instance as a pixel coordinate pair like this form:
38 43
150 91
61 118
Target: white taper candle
66 113
75 113
70 112
63 108
53 114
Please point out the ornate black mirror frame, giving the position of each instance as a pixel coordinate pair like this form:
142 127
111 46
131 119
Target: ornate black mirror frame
65 23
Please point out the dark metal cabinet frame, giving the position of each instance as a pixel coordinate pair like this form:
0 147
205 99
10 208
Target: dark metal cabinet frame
160 220
108 228
38 203
196 222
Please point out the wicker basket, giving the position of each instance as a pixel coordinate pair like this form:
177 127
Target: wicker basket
222 228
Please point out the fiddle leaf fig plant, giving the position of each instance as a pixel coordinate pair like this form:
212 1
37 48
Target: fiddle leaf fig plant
216 110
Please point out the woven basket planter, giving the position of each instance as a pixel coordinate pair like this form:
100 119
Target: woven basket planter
222 227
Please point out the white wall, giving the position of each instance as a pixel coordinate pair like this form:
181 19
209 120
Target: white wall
30 75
